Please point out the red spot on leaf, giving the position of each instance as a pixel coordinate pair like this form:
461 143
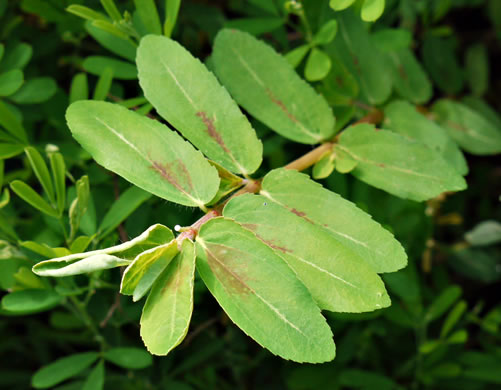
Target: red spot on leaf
282 106
211 130
175 173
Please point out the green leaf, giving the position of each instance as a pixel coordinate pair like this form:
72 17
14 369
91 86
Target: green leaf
146 268
403 118
400 166
80 244
294 57
155 235
372 10
36 90
265 84
28 194
10 122
482 108
353 45
409 78
79 89
345 163
41 172
85 12
472 132
392 39
171 12
62 369
121 70
167 311
10 150
131 358
189 97
4 198
95 380
485 233
337 216
10 81
58 169
255 26
255 287
148 14
477 69
17 57
30 301
129 201
324 167
339 87
317 66
442 303
453 317
79 206
123 48
103 84
326 33
2 167
2 49
440 60
143 151
229 183
110 28
337 278
111 9
339 5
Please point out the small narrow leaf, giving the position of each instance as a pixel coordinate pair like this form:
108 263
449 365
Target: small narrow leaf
58 169
95 380
62 369
189 97
121 70
122 47
400 166
146 268
29 195
41 171
339 217
147 11
339 5
131 358
317 66
155 235
111 9
79 206
79 89
294 57
10 122
477 69
17 57
103 84
110 28
326 33
337 278
10 82
167 311
255 26
403 118
265 84
85 12
442 303
324 167
143 151
128 201
237 268
171 11
10 150
473 132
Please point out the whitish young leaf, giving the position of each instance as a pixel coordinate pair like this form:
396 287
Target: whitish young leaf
473 132
337 278
363 59
400 166
145 269
167 311
255 287
485 233
62 369
265 84
143 151
190 98
404 118
339 217
154 236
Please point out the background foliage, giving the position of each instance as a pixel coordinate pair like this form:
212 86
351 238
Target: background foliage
442 329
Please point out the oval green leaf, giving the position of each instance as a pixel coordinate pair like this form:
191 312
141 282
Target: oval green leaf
122 70
143 151
127 357
261 294
10 81
167 311
265 84
30 301
400 166
190 98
